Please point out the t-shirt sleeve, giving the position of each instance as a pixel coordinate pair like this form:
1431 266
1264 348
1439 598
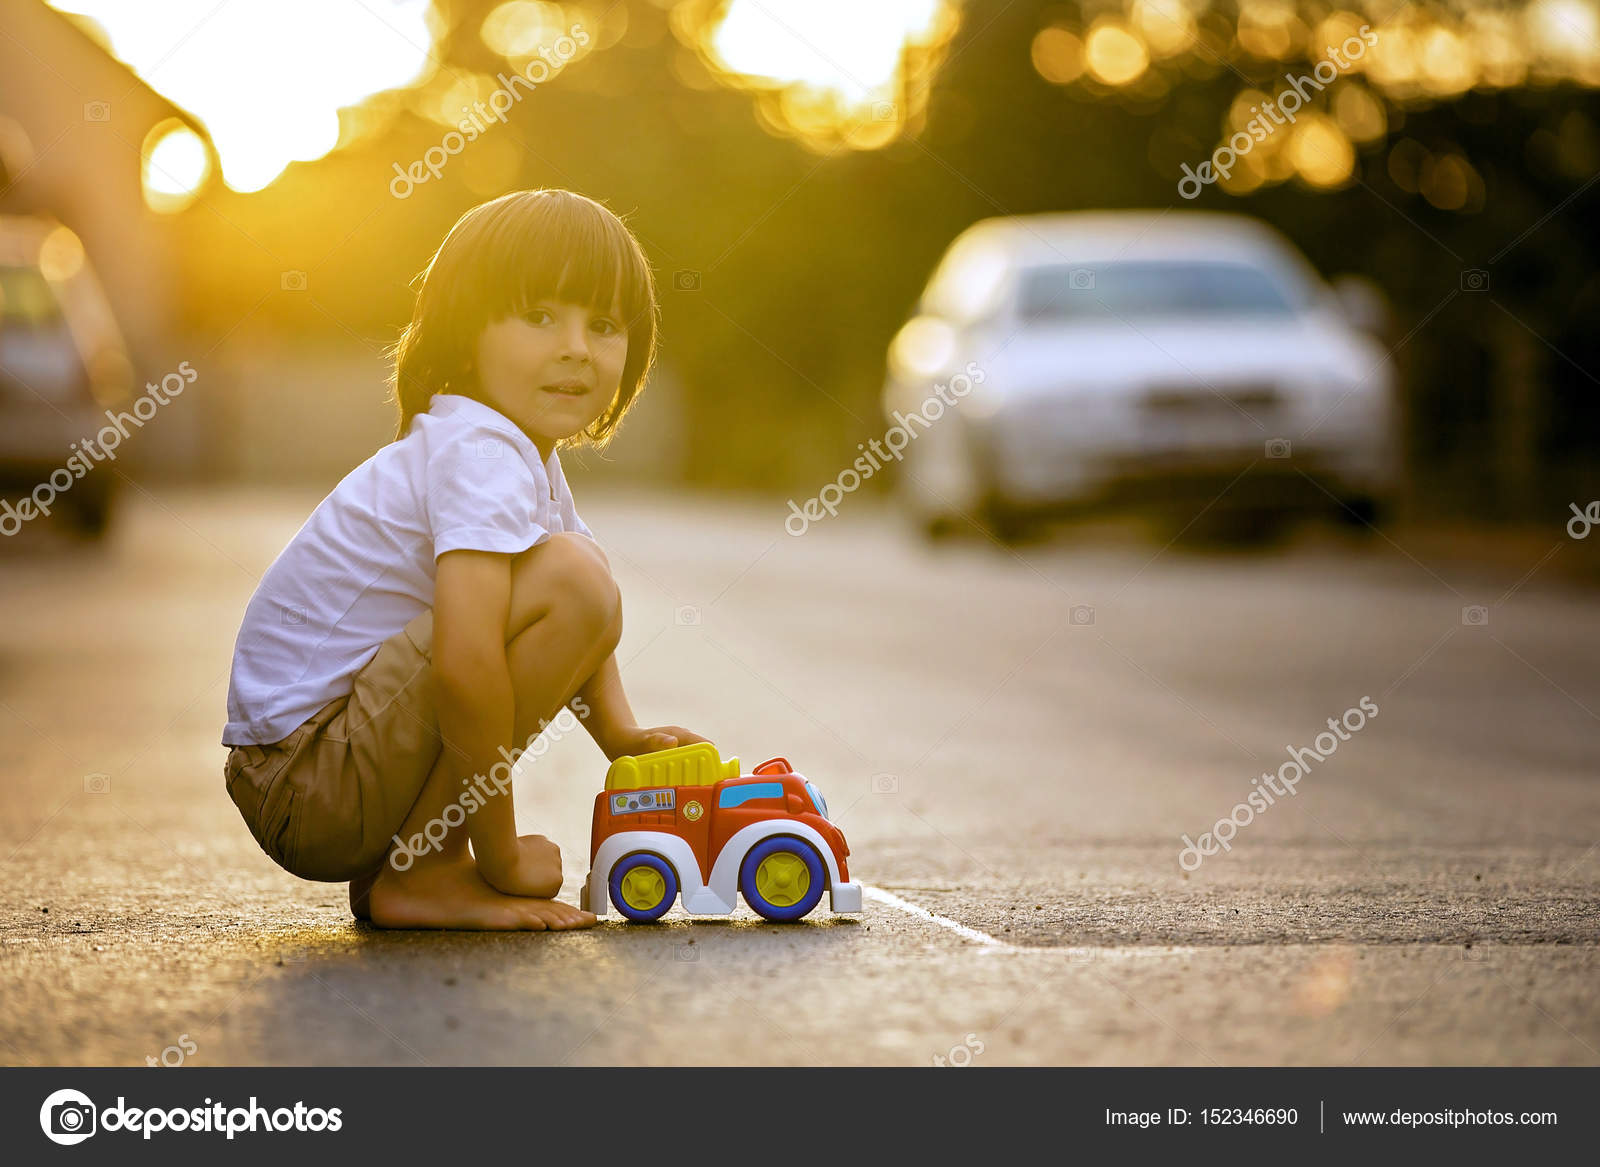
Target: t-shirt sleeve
483 496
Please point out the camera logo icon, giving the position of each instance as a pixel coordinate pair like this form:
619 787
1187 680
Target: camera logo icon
883 111
1278 448
293 281
1080 615
1475 615
97 783
294 617
1474 279
686 280
1081 279
686 952
67 1117
885 784
97 111
688 616
491 448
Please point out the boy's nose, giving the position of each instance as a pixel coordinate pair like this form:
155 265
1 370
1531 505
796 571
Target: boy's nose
575 341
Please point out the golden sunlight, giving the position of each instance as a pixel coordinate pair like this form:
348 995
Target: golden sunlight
176 165
266 77
1116 55
841 72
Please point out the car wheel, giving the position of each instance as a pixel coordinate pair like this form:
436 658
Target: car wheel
1236 528
88 511
782 878
643 887
1362 512
1006 522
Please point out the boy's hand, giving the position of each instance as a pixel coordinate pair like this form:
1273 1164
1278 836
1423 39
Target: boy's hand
534 870
638 739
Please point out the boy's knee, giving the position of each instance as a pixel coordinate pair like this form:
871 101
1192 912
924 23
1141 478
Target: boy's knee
578 580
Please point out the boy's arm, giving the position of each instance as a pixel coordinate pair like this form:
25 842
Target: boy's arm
477 706
610 720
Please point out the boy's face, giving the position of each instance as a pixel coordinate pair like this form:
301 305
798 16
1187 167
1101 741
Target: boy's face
553 369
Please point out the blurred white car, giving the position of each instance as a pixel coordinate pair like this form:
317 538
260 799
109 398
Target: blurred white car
1146 357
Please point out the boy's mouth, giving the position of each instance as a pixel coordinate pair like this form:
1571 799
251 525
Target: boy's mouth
565 388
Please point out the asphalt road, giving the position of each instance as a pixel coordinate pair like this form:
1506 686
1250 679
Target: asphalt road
1014 781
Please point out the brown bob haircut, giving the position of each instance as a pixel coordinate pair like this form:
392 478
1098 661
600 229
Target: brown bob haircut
503 256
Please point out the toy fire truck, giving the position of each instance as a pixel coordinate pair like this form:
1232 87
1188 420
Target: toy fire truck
683 821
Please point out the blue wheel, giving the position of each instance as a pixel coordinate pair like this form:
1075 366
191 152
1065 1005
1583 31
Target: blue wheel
643 887
782 878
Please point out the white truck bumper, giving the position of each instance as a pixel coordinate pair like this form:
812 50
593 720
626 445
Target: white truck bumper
846 897
583 899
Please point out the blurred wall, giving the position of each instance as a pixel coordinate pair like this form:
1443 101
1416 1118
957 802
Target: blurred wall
72 127
73 123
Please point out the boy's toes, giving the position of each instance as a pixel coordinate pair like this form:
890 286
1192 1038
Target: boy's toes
564 916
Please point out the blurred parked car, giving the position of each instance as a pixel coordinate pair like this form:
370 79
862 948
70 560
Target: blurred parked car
62 364
1148 358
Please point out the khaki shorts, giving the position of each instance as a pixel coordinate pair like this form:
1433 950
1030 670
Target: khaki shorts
325 802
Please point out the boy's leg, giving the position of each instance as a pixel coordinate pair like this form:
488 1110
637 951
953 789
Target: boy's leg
360 895
565 620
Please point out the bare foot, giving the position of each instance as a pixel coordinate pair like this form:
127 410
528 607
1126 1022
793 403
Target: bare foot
449 893
360 890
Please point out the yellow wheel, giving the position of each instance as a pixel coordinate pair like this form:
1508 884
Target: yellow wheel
782 879
643 887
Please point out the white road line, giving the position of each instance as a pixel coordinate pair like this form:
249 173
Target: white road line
911 909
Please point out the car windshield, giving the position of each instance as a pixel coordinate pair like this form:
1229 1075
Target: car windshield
1148 289
816 797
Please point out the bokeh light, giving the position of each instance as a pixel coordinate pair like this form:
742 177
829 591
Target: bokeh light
61 255
267 81
832 73
1116 54
1322 155
176 165
517 30
1057 55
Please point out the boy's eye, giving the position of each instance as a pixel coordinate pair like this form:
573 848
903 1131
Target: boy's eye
604 325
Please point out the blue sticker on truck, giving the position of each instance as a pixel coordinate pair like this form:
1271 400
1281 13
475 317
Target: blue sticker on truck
739 795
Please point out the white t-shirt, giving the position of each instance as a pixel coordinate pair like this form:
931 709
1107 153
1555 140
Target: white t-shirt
463 478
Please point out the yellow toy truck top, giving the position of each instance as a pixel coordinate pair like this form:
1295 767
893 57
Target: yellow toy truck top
697 764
